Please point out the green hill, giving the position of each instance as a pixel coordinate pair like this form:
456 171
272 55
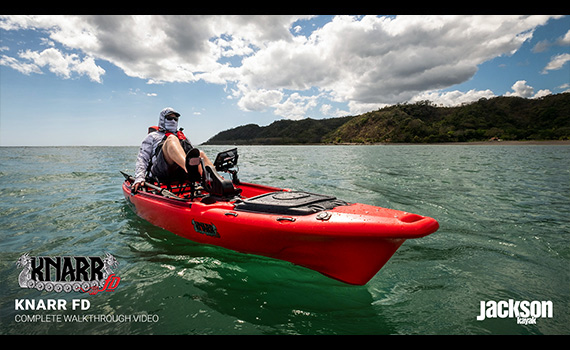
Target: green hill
506 118
281 132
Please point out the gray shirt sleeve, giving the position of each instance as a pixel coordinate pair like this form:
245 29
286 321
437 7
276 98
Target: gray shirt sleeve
144 157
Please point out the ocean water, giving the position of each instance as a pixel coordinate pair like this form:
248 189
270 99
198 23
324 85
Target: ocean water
504 235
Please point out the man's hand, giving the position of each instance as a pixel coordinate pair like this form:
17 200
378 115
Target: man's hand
137 185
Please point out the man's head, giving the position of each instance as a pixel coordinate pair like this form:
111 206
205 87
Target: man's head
168 119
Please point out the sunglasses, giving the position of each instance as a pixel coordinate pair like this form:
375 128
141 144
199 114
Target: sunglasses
171 117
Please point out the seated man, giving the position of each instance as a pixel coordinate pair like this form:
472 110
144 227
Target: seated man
163 153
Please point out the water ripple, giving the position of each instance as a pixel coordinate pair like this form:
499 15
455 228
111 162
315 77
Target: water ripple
503 234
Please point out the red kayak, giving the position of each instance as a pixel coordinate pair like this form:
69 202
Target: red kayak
349 242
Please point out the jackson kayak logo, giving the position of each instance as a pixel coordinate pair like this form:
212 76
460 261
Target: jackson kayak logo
84 274
526 312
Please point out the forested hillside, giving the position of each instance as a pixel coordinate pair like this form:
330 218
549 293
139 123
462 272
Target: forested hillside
506 118
306 131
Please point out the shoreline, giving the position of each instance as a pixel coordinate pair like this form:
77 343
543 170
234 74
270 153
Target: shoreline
474 143
493 143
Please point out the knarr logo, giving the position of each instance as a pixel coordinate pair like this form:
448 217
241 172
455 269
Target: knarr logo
91 274
526 312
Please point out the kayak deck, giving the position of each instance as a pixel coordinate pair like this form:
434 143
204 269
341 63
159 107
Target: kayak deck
349 242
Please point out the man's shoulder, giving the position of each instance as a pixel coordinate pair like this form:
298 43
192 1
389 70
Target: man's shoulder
153 138
155 135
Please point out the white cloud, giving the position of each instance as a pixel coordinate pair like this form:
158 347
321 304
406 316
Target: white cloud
365 62
64 65
542 93
556 62
22 67
296 106
259 100
453 98
373 61
327 110
546 44
564 40
522 89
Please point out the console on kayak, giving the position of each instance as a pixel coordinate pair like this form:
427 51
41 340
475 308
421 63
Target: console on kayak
226 161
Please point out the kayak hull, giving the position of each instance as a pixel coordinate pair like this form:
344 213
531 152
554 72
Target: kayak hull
349 242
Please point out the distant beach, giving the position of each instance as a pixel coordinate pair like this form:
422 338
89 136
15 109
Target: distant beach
515 143
501 143
474 143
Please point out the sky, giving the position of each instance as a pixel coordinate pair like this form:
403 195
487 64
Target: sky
101 80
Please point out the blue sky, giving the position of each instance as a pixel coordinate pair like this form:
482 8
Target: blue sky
102 80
